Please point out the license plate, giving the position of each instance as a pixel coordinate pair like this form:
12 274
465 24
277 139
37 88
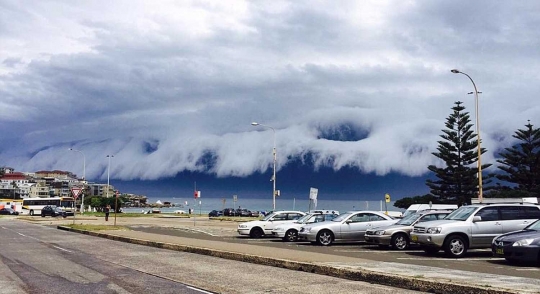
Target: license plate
499 251
414 238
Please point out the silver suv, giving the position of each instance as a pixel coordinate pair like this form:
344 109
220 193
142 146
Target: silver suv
473 226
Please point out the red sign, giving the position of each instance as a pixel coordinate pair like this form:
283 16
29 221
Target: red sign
76 191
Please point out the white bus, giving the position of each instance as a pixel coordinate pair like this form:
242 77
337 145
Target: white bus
33 206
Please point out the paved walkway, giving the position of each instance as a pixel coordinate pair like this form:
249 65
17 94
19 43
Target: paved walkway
422 278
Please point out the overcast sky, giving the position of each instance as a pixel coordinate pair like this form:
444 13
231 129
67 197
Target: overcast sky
173 86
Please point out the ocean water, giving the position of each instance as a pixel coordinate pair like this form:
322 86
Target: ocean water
205 205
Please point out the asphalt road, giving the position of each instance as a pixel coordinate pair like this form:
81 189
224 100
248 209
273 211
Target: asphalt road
479 260
37 258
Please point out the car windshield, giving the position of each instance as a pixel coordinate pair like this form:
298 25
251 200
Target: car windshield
461 213
304 219
342 217
269 216
534 226
409 219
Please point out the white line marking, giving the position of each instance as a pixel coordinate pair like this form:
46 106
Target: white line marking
448 259
200 290
527 269
62 249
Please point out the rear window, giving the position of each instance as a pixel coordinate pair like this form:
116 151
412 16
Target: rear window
520 212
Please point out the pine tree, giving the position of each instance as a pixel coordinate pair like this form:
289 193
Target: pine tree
521 162
457 182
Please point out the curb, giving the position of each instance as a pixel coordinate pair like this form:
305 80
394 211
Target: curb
404 282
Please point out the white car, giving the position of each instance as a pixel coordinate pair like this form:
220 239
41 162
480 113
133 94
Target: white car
259 228
289 231
350 226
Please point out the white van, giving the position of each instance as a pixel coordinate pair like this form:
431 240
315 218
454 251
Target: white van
419 207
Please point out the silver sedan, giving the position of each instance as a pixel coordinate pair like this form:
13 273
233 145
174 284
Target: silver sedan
350 227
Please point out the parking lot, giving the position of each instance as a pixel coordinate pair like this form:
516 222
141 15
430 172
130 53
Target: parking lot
479 260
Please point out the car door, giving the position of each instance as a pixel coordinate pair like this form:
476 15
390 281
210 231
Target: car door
515 218
354 228
483 231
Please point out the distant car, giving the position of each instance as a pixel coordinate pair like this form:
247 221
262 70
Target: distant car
521 245
215 213
53 211
255 213
229 212
398 234
243 212
8 211
349 227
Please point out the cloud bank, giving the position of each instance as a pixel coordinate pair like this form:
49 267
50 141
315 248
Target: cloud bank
172 86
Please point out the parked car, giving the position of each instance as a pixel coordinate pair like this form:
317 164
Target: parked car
215 213
53 211
243 212
259 228
289 231
521 245
8 211
255 213
398 235
229 212
350 226
473 226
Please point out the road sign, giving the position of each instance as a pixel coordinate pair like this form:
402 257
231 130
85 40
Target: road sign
235 198
313 193
75 191
387 197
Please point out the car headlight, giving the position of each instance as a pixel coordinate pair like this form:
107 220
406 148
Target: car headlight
434 230
242 226
524 242
379 232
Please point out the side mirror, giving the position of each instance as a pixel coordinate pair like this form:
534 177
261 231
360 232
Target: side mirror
477 218
348 221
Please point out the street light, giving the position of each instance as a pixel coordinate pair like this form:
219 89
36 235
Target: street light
480 193
275 154
84 176
108 173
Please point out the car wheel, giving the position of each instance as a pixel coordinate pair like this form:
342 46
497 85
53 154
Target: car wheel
291 236
31 213
325 238
400 242
430 250
455 246
256 233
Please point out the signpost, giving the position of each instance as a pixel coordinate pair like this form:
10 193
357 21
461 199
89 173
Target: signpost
75 191
313 197
387 200
115 206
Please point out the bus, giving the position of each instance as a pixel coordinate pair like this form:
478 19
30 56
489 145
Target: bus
33 206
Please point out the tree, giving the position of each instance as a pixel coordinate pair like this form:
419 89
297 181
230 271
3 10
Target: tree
521 162
457 182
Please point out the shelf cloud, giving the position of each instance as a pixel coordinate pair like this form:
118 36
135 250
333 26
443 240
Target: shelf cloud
173 86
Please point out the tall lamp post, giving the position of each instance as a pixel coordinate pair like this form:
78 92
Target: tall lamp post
84 176
108 186
275 154
480 192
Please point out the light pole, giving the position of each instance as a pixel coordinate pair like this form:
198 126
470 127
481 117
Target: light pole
108 173
275 154
480 193
84 176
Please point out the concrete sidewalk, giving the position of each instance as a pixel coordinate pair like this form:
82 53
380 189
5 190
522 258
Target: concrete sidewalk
413 277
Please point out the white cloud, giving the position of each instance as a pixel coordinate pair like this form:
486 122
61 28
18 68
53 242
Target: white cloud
173 86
